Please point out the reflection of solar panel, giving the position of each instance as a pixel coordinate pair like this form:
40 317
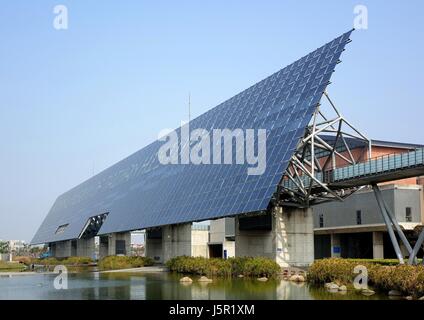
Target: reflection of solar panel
139 192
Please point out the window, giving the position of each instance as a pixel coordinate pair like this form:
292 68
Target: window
408 214
358 217
321 220
61 229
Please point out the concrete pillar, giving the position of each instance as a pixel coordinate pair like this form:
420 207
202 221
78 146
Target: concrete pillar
86 247
336 249
103 246
153 245
119 243
199 243
113 244
290 242
63 249
377 245
176 241
52 249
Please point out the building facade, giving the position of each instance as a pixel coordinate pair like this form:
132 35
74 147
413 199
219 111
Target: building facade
355 228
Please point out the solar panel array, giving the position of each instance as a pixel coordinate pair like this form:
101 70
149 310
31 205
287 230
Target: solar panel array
139 192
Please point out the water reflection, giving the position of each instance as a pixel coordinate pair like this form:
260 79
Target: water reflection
159 286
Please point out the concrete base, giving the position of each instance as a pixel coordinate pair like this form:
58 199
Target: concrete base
62 249
73 248
290 242
86 248
115 244
176 240
153 245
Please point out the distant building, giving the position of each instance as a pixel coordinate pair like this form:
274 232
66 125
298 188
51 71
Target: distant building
16 245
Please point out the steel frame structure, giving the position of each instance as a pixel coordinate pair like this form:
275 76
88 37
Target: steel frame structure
305 182
306 173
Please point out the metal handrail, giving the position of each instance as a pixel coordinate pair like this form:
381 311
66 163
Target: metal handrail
384 163
375 165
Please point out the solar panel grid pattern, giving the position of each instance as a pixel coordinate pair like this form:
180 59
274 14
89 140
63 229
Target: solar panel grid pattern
139 192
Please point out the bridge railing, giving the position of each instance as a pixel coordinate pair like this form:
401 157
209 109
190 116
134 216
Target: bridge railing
377 165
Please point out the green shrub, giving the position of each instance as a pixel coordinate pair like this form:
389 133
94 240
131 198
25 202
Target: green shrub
407 279
260 267
77 261
11 266
71 261
251 267
123 262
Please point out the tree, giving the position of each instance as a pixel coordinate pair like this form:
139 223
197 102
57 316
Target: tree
4 247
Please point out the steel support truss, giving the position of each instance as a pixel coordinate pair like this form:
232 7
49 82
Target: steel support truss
392 226
304 182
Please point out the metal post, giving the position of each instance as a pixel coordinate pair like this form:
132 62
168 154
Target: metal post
388 224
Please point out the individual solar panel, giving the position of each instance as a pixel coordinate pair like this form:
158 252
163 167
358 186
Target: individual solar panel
139 192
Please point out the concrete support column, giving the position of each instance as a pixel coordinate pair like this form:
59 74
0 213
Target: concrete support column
336 248
113 244
103 246
86 247
377 245
176 241
63 249
153 245
290 242
119 244
199 243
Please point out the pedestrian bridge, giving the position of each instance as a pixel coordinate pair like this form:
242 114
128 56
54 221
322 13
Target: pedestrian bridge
376 170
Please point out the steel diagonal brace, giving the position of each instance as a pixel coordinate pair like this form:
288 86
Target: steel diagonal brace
387 221
418 244
396 226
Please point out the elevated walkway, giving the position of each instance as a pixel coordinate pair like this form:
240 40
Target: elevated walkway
376 170
381 169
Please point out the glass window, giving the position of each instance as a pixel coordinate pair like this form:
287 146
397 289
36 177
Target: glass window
321 220
408 214
358 217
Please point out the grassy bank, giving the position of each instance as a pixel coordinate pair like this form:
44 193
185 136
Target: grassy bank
71 261
11 267
409 280
115 262
249 267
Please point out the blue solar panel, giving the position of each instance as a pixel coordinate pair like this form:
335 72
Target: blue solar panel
139 192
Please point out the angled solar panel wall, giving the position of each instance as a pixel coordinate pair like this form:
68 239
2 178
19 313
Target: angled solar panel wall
139 192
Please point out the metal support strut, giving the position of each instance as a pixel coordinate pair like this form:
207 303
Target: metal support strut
392 224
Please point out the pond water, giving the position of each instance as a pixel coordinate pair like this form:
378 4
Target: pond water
163 285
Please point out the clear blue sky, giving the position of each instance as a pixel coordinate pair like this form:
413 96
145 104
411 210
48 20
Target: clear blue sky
104 88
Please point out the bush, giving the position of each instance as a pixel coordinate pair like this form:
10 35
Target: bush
11 266
251 267
407 279
23 259
77 261
71 261
122 262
